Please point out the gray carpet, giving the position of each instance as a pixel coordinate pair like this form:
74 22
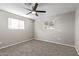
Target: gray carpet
38 48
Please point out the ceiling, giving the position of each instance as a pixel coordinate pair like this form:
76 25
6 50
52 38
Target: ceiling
51 8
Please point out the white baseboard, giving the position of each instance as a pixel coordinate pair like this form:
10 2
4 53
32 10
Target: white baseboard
57 43
40 40
16 43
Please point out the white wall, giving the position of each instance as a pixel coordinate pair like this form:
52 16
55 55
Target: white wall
7 36
64 29
77 30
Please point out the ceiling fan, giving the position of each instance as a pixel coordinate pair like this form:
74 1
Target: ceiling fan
34 10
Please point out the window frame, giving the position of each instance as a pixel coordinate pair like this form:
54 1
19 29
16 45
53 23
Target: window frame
18 26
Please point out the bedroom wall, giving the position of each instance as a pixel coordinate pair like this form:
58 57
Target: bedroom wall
8 36
64 29
77 30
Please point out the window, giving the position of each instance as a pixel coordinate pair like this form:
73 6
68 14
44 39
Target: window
15 24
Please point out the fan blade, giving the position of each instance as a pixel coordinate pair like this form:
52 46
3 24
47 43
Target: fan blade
41 11
36 14
35 7
27 4
28 9
28 13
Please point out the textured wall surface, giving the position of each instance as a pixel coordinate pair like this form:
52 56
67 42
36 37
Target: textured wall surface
8 36
64 29
77 30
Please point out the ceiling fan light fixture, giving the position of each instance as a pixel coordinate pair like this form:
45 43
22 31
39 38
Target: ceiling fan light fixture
33 12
